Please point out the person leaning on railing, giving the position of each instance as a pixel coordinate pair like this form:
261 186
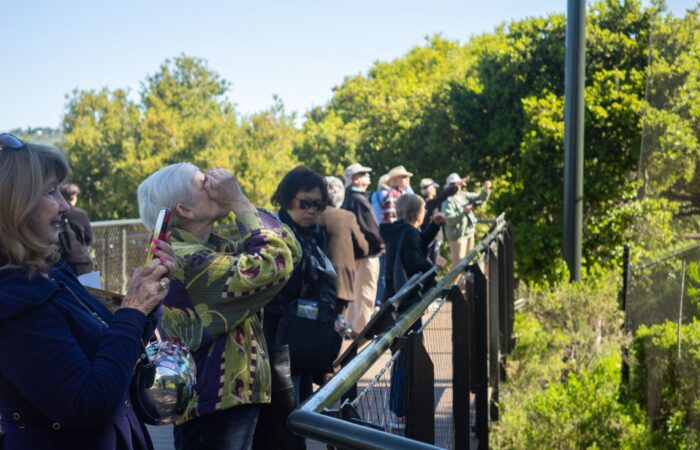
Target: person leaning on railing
406 248
219 289
66 362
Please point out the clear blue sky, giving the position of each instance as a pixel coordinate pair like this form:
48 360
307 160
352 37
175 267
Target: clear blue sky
299 50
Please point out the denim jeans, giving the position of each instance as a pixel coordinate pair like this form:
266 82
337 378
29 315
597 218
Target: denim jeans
230 429
381 281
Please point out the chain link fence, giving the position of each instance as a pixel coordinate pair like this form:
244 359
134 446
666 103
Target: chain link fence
119 247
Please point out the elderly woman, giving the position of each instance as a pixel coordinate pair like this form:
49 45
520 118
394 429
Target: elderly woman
345 244
220 286
66 362
406 248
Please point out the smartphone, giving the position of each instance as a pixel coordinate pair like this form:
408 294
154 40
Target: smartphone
158 231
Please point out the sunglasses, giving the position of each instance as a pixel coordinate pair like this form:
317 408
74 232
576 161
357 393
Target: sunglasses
320 205
9 141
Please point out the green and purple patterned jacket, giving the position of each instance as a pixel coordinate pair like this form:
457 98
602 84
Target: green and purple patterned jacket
212 307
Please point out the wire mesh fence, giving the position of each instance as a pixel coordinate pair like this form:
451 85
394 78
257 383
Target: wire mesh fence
119 247
437 338
666 289
373 402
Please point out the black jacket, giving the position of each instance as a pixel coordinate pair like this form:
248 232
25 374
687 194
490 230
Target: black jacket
412 252
357 203
436 203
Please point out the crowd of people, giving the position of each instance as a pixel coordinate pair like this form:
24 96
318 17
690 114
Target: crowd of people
263 312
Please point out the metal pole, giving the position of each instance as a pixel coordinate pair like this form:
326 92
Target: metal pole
574 78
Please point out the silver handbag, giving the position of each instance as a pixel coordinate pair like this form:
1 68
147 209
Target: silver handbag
163 383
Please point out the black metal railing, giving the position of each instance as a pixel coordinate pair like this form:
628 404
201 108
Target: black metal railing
479 336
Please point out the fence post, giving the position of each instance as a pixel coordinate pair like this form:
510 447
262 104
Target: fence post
493 329
625 370
125 260
481 381
460 367
420 392
509 260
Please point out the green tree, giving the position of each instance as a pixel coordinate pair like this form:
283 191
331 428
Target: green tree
183 115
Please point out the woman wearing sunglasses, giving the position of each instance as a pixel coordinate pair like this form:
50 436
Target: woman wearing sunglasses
301 195
66 362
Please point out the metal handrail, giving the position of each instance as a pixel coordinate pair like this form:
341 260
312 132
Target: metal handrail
116 223
308 420
661 259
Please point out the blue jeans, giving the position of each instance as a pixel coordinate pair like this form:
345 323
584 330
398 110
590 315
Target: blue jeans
230 429
397 389
381 281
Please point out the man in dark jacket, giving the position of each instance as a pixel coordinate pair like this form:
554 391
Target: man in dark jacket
76 233
357 180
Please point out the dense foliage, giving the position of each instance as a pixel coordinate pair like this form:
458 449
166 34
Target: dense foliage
563 377
493 108
664 381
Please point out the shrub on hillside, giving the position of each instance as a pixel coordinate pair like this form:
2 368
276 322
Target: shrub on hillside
666 383
564 374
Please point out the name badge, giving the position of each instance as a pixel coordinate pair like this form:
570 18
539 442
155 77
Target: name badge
307 309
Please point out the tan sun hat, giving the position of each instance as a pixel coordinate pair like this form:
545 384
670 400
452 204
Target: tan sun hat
399 171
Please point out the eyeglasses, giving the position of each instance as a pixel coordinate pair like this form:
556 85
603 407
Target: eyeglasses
320 205
10 141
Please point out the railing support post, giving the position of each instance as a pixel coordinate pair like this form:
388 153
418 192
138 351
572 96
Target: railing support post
420 401
481 382
625 371
460 367
494 337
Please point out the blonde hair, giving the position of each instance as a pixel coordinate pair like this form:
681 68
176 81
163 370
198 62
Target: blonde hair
23 175
408 207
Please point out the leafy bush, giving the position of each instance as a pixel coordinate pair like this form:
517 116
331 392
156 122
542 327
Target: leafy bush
564 374
583 412
664 380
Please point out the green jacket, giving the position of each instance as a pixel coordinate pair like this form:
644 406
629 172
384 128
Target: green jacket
458 223
212 307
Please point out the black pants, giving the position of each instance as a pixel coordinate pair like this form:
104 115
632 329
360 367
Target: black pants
230 429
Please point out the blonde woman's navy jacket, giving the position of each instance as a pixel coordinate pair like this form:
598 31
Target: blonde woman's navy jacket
64 375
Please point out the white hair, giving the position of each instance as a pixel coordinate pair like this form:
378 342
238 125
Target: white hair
165 189
336 191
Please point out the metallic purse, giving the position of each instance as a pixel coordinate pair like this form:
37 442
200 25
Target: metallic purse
163 383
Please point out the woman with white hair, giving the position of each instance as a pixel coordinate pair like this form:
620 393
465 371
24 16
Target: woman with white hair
346 243
220 286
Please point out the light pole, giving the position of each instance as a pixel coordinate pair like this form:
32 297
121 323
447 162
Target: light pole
574 78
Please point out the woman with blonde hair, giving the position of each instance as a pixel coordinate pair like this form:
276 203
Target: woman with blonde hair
66 362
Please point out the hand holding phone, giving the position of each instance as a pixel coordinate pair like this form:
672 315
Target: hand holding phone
158 231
